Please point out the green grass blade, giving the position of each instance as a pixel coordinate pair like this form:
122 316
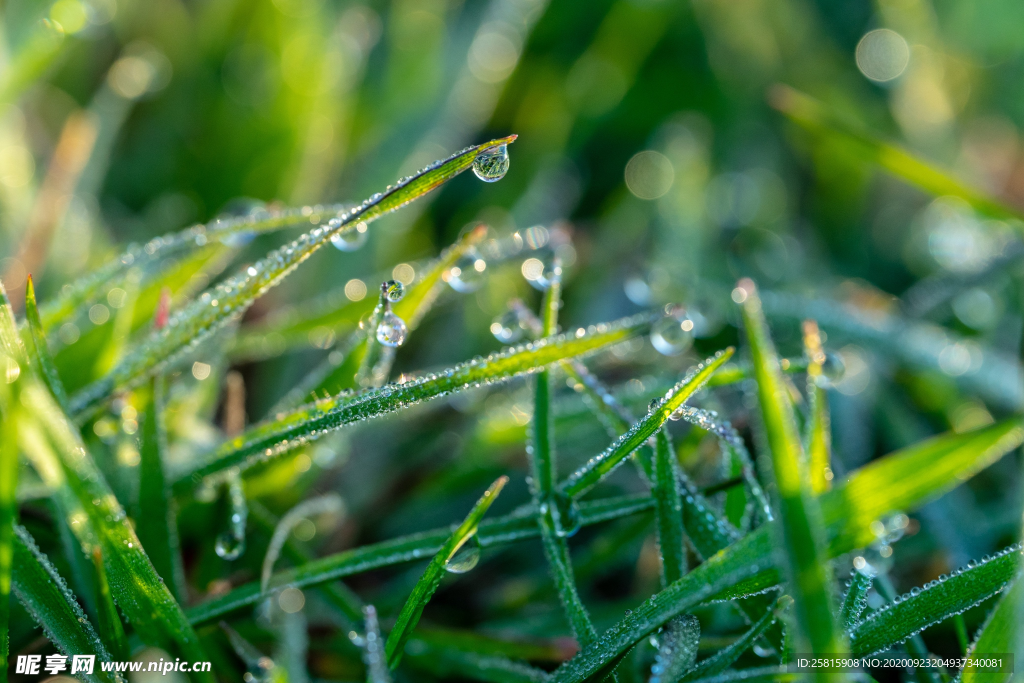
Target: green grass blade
8 512
10 340
229 300
314 420
39 350
156 521
448 663
47 598
668 511
431 579
800 523
818 435
940 599
815 117
855 601
110 627
144 599
677 649
600 466
998 635
724 658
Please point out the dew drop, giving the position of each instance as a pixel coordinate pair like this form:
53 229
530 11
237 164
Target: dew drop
393 290
509 327
672 334
465 558
467 274
229 546
392 330
491 165
350 240
833 367
566 514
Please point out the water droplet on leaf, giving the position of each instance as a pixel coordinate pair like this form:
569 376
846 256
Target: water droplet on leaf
509 327
350 240
229 546
465 558
393 290
566 514
392 330
492 165
672 334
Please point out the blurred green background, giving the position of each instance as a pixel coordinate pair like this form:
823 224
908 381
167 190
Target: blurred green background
668 148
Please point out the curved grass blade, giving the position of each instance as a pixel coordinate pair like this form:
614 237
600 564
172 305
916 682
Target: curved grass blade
309 422
997 635
431 579
800 523
600 466
818 435
229 300
855 602
110 627
39 350
724 658
677 649
328 503
668 511
554 529
940 599
46 597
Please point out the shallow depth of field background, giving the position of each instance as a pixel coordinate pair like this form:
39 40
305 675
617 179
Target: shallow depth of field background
646 135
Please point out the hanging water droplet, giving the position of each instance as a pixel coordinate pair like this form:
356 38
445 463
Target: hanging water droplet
392 330
468 272
350 240
393 290
228 546
509 327
465 558
566 514
833 367
491 165
540 273
672 334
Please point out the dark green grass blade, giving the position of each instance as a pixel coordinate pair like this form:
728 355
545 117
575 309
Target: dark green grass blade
229 300
814 116
46 597
668 511
855 601
677 649
38 348
800 524
314 420
937 601
109 623
431 579
447 663
603 464
724 658
998 635
155 522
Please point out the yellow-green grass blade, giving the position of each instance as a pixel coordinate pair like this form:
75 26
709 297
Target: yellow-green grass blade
37 52
818 435
801 529
668 511
227 301
309 422
435 571
997 636
38 348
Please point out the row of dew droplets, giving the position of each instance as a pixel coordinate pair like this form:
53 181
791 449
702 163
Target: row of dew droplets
372 646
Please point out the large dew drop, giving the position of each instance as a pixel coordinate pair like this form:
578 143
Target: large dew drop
672 334
509 327
566 514
229 546
468 272
349 240
392 330
393 291
465 558
492 165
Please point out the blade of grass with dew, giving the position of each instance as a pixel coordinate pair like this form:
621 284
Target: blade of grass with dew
912 477
600 466
668 511
935 602
309 422
540 450
448 663
914 644
677 649
801 530
855 601
815 117
145 600
997 635
9 418
818 436
110 628
724 658
431 579
38 348
47 598
229 300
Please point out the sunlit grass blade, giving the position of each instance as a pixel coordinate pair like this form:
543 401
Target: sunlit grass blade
724 658
110 627
309 422
668 510
435 571
800 528
38 348
855 601
47 598
603 464
10 341
815 117
998 635
935 602
818 434
677 649
229 300
36 53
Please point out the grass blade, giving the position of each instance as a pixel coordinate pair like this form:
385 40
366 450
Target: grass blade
724 658
855 602
677 649
46 597
818 437
910 614
431 579
668 511
38 349
448 663
314 420
600 466
998 634
229 300
110 627
8 512
800 523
